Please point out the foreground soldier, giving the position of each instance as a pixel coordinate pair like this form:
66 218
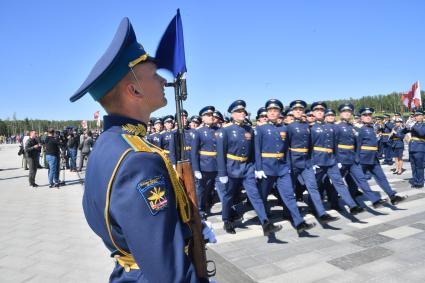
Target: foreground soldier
417 150
235 146
132 197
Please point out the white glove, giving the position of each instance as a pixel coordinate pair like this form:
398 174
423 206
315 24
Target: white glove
224 179
174 167
208 232
339 165
315 167
198 175
260 174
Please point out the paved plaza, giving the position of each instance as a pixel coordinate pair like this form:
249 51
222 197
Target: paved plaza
44 238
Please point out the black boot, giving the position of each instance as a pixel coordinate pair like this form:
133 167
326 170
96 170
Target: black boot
304 226
229 228
269 228
326 218
379 203
395 199
356 210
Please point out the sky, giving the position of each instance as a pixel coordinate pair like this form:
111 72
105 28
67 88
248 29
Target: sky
306 49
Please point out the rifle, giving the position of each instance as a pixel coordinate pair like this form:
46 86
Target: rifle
197 251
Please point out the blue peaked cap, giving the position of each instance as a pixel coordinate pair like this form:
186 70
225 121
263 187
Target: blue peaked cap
123 52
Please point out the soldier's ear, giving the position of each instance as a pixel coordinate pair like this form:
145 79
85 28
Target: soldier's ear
133 90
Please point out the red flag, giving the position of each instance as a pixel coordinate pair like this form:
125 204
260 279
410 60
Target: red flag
412 98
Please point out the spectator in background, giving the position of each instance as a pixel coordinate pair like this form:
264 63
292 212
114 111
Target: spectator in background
24 157
38 152
85 146
52 156
73 142
31 148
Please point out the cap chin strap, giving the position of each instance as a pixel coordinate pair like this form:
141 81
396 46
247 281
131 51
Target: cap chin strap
137 81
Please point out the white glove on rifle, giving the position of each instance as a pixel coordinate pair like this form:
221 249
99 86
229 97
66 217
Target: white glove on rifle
224 179
260 174
208 232
339 165
198 175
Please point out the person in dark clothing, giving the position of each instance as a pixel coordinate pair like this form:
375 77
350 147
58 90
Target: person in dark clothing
73 142
32 147
85 146
52 156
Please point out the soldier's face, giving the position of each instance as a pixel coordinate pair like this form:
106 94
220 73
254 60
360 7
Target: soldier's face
238 115
346 115
419 118
273 114
330 118
158 127
311 119
289 119
366 118
193 125
150 85
207 118
262 118
168 125
298 112
319 113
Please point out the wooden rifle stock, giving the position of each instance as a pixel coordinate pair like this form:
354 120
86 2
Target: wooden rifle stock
197 245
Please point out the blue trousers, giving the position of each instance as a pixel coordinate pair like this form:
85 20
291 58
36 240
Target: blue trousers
417 163
204 188
286 192
378 174
248 182
53 175
73 158
359 177
306 177
388 152
335 176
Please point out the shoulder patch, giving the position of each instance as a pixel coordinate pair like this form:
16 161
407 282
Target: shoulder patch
137 143
154 193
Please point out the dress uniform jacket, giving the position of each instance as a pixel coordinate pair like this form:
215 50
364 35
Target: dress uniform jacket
204 149
346 143
166 137
367 150
417 142
188 138
323 141
155 139
299 143
130 199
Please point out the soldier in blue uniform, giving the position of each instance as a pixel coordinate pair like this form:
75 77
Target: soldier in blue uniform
346 148
299 144
167 134
386 142
188 137
235 146
396 137
155 137
367 154
323 156
194 122
261 116
132 198
271 167
218 119
204 158
417 149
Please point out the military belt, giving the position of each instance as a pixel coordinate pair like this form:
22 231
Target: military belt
395 139
208 153
418 139
365 147
386 134
323 149
187 148
346 146
272 155
237 158
304 150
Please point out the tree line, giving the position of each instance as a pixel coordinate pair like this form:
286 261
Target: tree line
388 103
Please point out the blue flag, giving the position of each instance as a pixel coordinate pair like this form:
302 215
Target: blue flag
170 52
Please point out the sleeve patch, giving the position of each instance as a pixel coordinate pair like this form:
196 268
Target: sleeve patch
154 193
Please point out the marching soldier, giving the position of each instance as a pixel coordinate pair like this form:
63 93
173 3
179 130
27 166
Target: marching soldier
299 144
386 142
204 158
155 137
368 154
271 166
417 150
235 145
346 148
167 133
324 159
132 198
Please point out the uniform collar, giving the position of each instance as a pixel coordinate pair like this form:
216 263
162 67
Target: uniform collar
130 125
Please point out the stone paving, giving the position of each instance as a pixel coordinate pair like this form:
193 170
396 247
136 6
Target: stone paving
44 238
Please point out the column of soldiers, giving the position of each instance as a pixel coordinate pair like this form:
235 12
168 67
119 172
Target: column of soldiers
298 154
